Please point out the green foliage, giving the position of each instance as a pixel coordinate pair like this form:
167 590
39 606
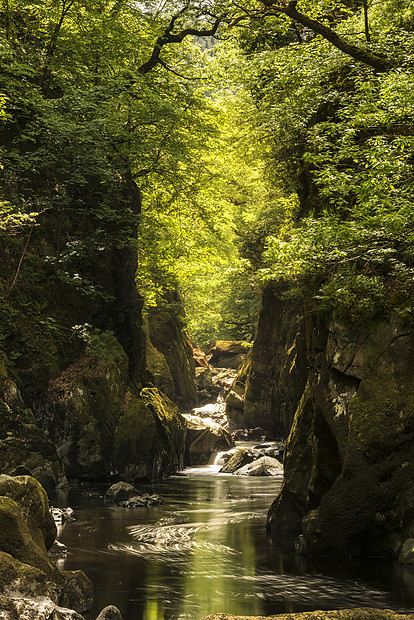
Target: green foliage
344 144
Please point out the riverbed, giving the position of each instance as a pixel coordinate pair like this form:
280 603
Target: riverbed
206 550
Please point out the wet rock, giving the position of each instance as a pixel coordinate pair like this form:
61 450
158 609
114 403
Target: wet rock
31 609
250 434
140 501
60 515
150 438
203 379
137 501
27 529
406 555
237 460
77 592
120 492
32 501
348 459
365 613
110 613
223 379
265 466
203 441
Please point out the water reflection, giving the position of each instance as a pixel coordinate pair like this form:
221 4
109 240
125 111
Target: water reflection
206 550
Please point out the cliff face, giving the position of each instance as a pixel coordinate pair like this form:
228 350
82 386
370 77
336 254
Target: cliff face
169 353
72 353
270 383
349 460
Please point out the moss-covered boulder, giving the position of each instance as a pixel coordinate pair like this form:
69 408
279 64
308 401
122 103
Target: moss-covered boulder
27 530
33 502
39 609
150 437
342 614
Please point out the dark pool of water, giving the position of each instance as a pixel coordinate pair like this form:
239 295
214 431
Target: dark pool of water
206 550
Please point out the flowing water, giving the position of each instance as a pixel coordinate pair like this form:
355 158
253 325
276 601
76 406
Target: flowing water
206 550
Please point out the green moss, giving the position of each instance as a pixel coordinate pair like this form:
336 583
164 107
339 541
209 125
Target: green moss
15 575
150 436
135 435
33 501
343 614
16 538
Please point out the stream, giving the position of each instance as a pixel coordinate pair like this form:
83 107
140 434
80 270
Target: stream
206 550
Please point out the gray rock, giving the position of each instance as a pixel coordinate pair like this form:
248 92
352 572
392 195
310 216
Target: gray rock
265 466
110 613
239 459
120 492
36 609
134 502
140 501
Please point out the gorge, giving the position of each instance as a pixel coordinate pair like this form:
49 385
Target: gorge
206 243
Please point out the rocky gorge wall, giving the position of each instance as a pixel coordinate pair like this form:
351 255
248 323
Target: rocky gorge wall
79 396
345 393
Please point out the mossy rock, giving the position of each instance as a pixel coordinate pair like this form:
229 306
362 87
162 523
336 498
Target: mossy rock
149 440
83 407
16 538
32 498
22 443
16 452
342 614
16 576
43 609
167 334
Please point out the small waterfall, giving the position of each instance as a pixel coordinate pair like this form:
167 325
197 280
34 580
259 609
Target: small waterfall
219 460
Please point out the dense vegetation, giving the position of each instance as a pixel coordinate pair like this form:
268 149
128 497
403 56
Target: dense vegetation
282 150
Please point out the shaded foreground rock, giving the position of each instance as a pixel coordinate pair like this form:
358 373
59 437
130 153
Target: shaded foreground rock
119 492
128 496
29 609
110 613
343 614
27 530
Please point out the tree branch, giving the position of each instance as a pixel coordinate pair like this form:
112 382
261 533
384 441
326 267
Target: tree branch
169 37
360 54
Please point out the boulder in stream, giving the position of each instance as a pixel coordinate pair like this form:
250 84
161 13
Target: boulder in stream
265 466
239 459
119 492
110 613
